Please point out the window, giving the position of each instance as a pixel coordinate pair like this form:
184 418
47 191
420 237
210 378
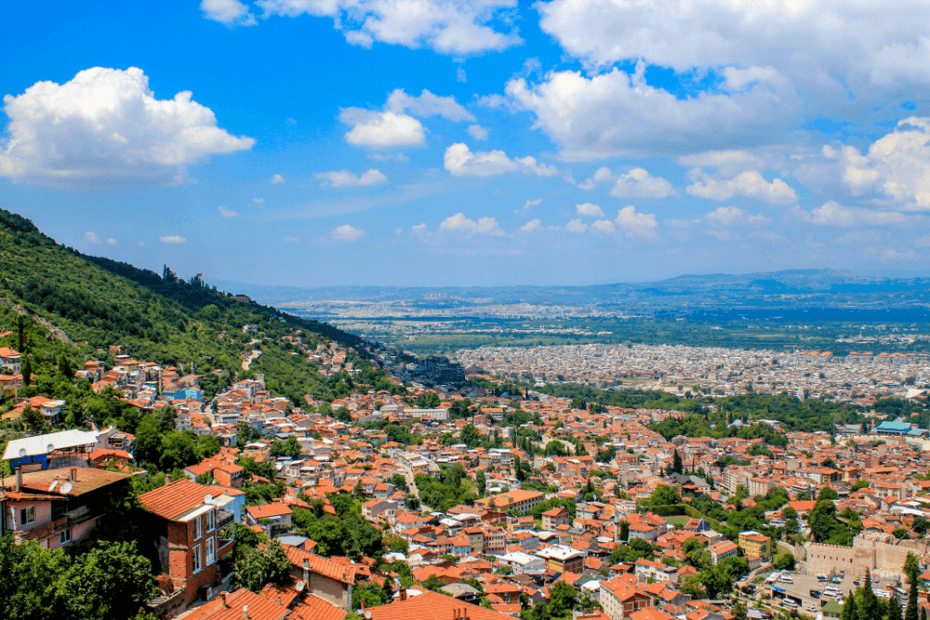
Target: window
27 515
211 520
65 536
210 550
198 563
198 528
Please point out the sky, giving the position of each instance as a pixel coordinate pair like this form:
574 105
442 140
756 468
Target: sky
471 142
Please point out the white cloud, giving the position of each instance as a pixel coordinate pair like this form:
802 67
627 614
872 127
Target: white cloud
642 225
589 210
426 105
225 212
529 204
106 126
344 178
617 114
456 27
637 183
728 163
478 132
229 12
347 232
829 49
896 165
276 179
381 130
292 239
748 184
460 75
257 203
605 227
461 224
173 239
576 226
461 162
388 157
419 229
531 226
734 216
601 175
92 237
834 214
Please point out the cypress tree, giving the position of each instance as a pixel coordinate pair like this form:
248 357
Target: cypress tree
894 609
869 609
912 612
849 609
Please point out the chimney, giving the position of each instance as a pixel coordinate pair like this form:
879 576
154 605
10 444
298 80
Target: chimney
307 571
167 480
19 478
279 601
73 476
225 602
403 594
245 612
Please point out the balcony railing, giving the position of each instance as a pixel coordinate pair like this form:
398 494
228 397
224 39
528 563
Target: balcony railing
224 518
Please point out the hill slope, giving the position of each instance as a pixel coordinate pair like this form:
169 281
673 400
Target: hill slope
99 302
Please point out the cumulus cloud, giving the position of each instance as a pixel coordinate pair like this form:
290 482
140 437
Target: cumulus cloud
728 163
529 204
347 232
734 216
461 224
461 162
824 47
229 12
576 226
344 178
601 175
531 226
419 229
106 126
896 165
460 75
92 237
173 239
381 130
426 105
748 184
832 213
637 183
225 212
604 227
276 179
589 210
257 203
641 225
478 132
618 114
456 27
111 241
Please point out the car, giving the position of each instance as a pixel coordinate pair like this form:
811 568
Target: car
786 579
837 580
791 604
815 593
811 607
821 577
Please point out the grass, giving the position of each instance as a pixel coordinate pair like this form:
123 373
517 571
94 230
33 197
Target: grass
678 522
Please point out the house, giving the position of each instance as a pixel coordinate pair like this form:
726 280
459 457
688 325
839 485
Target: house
518 500
57 507
184 524
620 598
552 519
9 360
434 606
722 550
563 559
274 517
330 580
755 544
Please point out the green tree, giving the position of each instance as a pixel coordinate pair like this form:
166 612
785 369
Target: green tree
784 561
25 369
912 610
664 495
738 611
562 598
849 609
470 436
256 567
33 419
868 604
481 481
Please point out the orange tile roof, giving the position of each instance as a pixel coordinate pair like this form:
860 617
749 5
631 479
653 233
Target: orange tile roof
87 480
313 607
320 565
433 606
175 499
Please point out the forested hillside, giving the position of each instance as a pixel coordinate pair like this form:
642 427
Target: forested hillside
99 302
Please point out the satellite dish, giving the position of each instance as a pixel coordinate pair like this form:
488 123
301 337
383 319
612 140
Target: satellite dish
300 586
207 498
52 488
22 453
49 448
66 488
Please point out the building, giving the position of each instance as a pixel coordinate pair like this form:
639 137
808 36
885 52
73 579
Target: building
755 544
331 581
184 524
552 519
620 598
274 517
434 606
57 507
518 500
563 559
721 551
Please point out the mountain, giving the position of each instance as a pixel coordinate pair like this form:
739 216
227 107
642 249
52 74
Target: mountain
99 302
774 291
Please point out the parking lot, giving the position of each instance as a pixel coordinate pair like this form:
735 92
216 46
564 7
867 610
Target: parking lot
801 586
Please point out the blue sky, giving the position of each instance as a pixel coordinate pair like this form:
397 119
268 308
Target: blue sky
422 142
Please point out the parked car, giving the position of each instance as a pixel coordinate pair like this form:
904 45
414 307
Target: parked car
815 593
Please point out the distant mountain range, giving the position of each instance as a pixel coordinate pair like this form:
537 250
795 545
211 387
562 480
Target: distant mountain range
789 290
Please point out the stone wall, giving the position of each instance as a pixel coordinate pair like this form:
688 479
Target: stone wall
882 559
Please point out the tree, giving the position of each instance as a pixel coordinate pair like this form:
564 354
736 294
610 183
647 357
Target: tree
290 448
178 450
738 611
470 436
912 568
64 367
562 598
148 440
33 419
481 481
676 463
25 370
256 567
911 613
849 609
664 495
868 603
784 561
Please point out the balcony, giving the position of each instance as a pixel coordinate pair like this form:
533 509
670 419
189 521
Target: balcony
224 518
224 547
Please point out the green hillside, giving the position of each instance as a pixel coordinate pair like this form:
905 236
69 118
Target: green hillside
98 302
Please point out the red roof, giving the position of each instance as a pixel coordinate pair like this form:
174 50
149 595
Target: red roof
433 606
175 499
